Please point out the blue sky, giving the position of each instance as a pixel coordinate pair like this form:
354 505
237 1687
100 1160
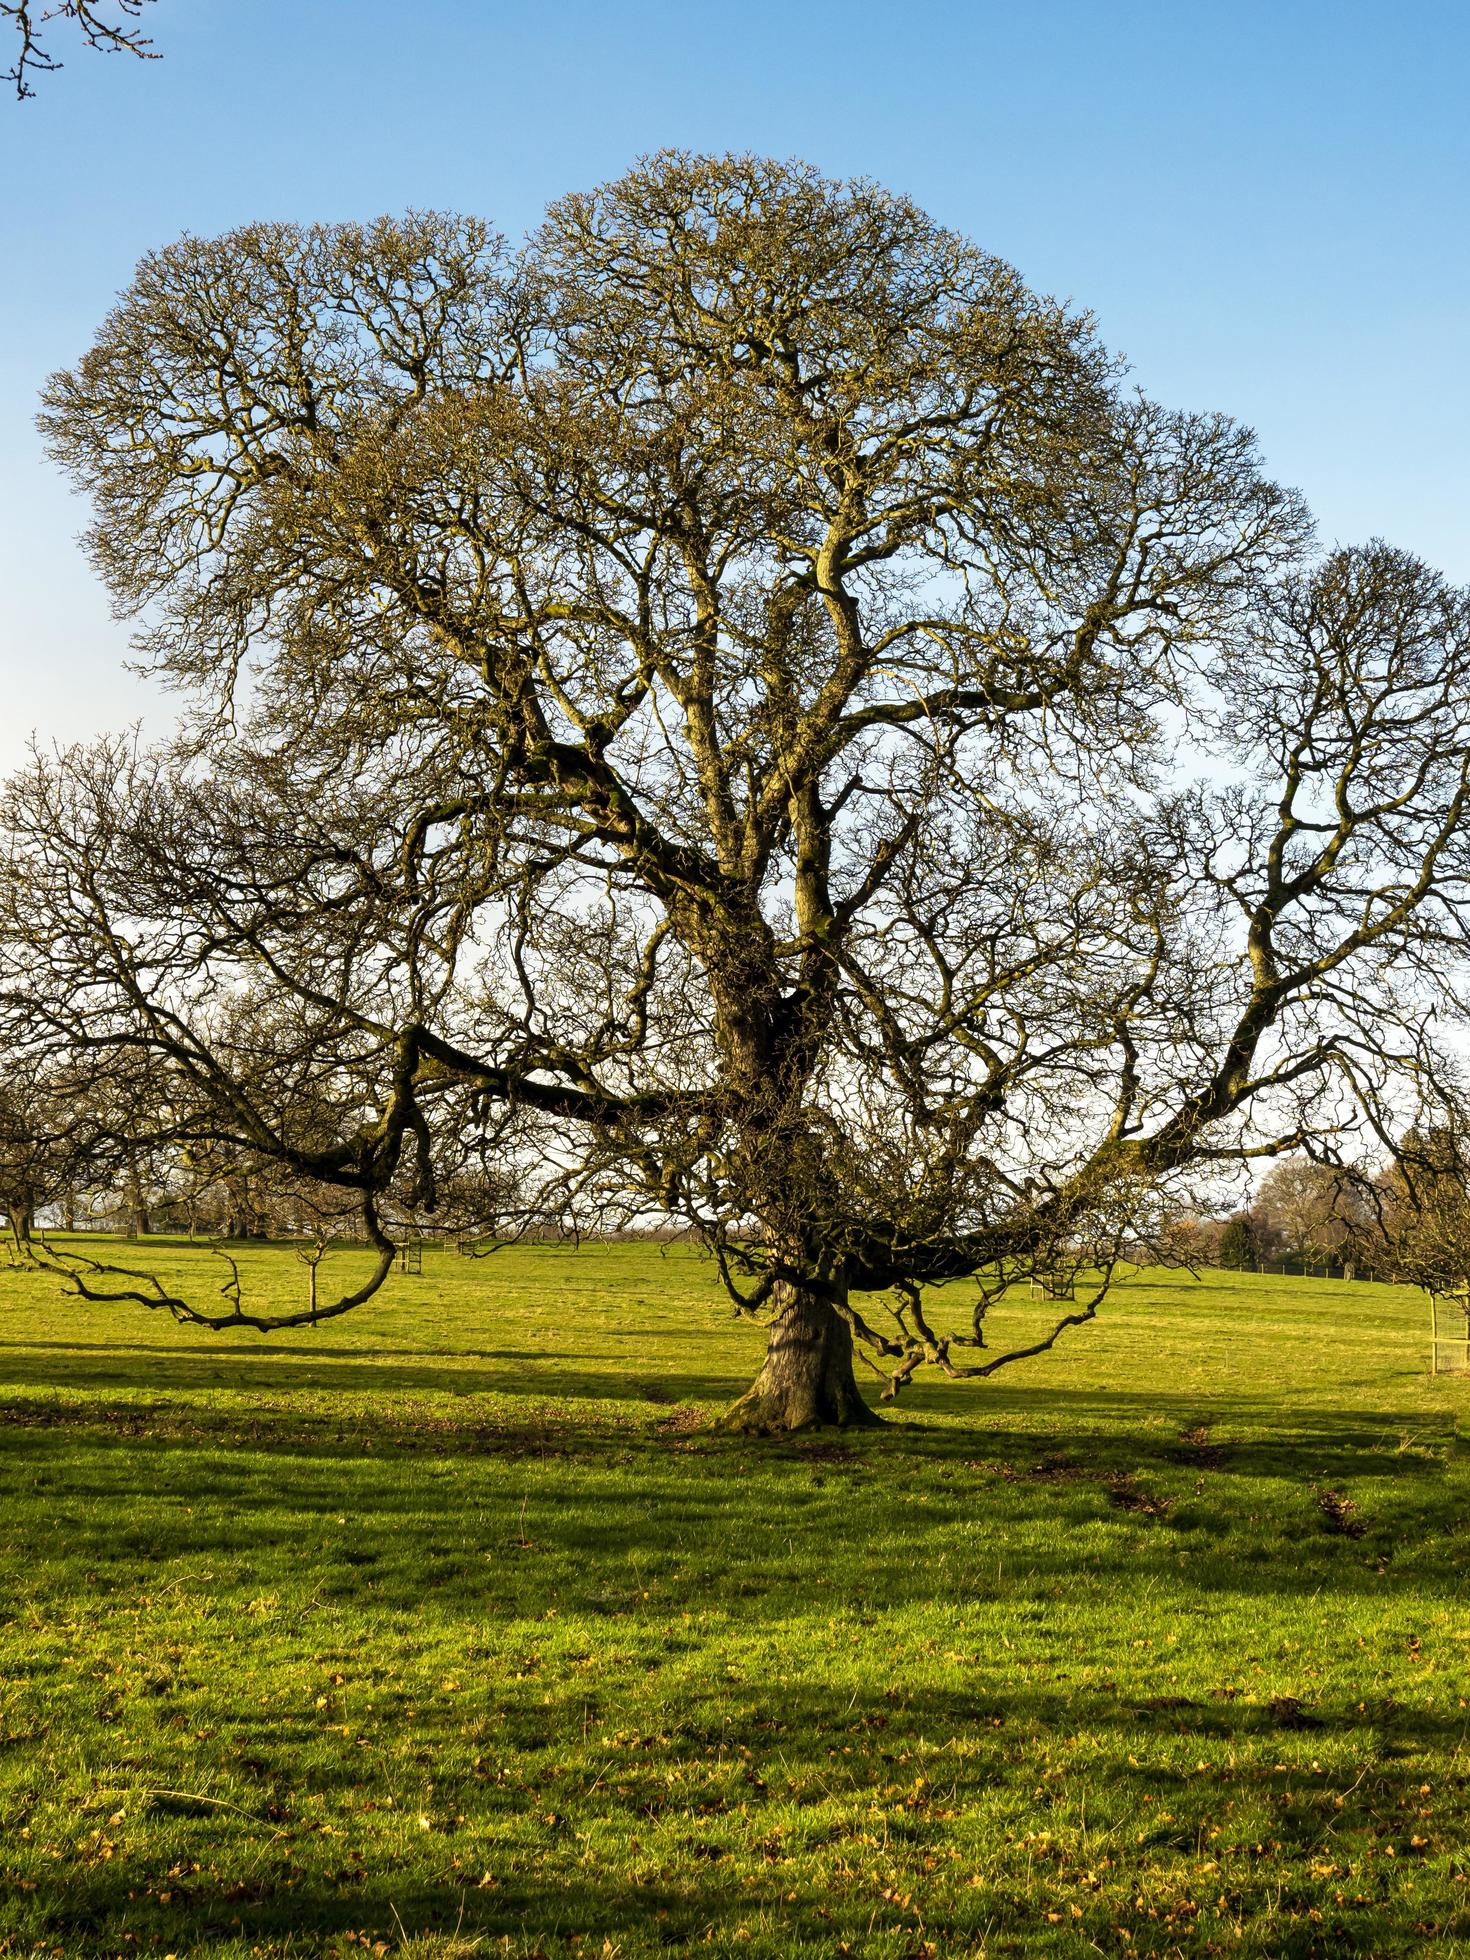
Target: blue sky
1265 205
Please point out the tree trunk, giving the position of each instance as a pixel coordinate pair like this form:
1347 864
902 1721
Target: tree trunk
139 1223
807 1381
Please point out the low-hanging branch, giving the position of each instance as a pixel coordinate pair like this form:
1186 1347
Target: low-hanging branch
92 1280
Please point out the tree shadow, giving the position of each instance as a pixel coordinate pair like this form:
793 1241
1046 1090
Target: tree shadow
554 1507
736 1846
361 1371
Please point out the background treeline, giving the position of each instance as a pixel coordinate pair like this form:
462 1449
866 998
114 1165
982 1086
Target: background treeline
1403 1221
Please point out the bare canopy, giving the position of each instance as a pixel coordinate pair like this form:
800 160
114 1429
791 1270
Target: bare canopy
732 711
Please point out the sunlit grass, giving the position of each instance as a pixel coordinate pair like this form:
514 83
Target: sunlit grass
443 1624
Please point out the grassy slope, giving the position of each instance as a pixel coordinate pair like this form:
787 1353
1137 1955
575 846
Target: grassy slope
443 1615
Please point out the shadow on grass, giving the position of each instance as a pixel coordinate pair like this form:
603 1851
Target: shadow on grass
700 1918
491 1520
543 1372
573 1376
709 1862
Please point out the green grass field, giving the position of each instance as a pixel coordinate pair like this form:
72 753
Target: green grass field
443 1629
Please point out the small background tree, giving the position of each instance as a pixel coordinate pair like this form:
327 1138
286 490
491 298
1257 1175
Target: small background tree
1237 1244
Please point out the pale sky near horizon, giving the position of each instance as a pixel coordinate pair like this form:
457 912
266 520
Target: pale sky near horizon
1265 206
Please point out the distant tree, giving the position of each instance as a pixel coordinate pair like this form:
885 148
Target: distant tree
1307 1209
50 1147
1419 1226
1237 1244
1189 1239
101 24
712 751
23 1162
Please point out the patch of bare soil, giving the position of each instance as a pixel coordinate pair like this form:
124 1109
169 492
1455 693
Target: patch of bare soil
836 1456
1128 1494
1199 1452
1288 1713
1048 1470
1340 1515
681 1421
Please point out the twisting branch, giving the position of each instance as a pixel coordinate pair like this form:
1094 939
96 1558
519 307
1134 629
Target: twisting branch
85 1277
101 25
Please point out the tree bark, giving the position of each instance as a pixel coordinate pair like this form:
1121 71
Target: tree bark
807 1381
139 1222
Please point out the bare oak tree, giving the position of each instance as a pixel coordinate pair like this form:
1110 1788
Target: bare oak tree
694 716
